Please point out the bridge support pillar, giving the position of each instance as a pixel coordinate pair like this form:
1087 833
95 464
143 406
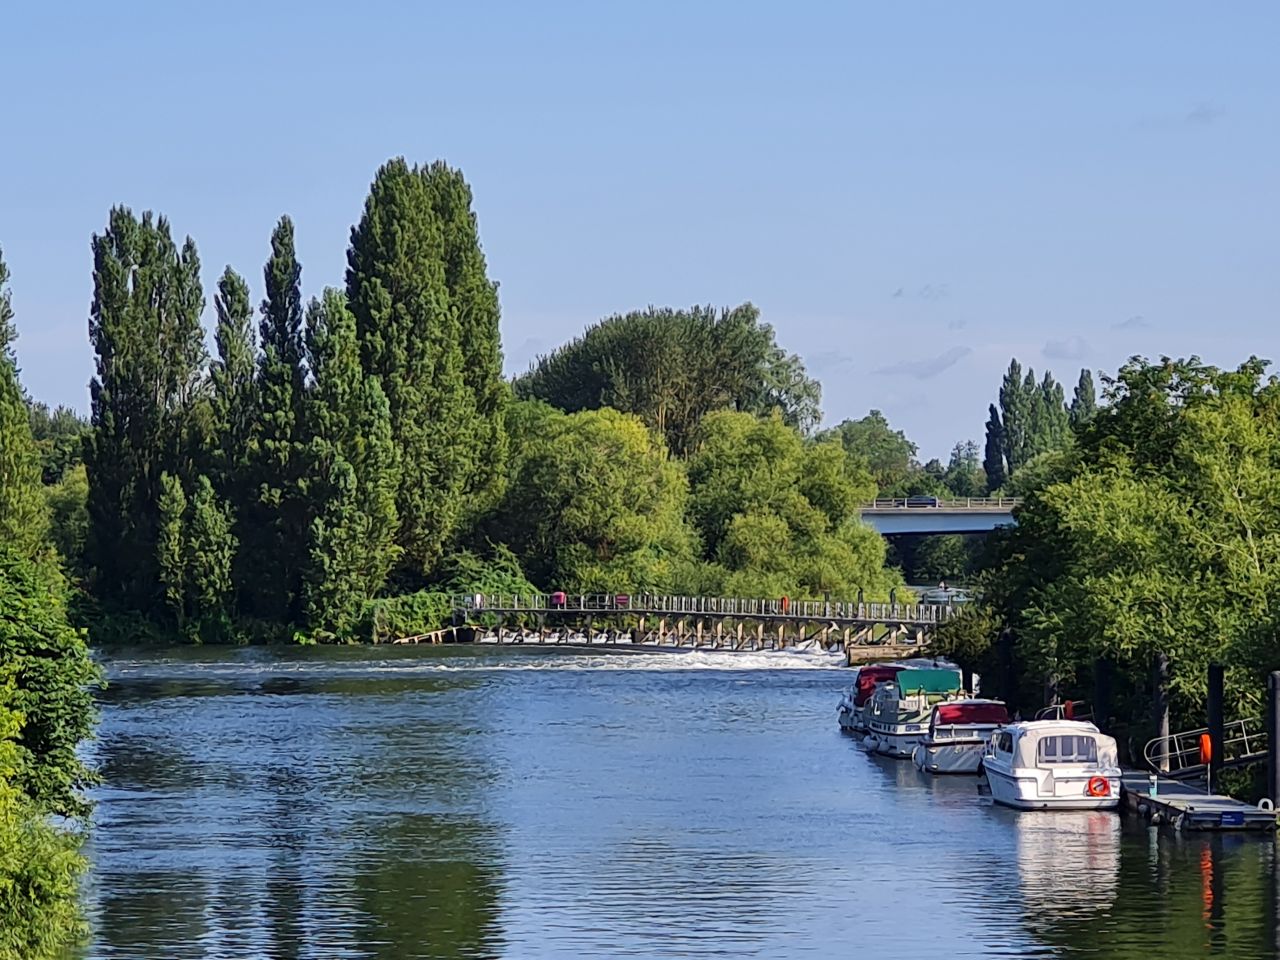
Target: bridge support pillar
782 637
760 635
697 633
719 632
741 639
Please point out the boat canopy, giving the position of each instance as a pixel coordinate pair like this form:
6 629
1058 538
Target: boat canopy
970 712
870 677
928 682
1065 743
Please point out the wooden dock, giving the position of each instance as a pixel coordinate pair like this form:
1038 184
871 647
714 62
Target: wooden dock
1184 806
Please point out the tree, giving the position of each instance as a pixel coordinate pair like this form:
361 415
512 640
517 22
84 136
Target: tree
23 514
145 329
886 452
355 473
594 502
48 664
231 376
171 548
59 435
1084 403
210 550
1050 425
671 368
777 515
1156 534
1015 414
993 452
410 339
275 534
39 865
964 476
473 298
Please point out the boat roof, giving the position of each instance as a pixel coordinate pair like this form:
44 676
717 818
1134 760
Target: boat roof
1065 726
928 681
970 711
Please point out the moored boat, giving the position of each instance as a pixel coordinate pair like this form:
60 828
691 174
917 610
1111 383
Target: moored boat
1052 764
851 712
957 735
897 715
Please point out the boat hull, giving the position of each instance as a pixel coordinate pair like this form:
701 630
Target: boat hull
895 742
1026 791
850 718
949 757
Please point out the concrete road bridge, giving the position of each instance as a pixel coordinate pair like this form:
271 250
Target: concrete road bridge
866 632
935 515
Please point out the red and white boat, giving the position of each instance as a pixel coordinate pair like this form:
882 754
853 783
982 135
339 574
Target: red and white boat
958 734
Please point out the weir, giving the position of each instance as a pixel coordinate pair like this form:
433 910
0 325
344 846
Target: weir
864 631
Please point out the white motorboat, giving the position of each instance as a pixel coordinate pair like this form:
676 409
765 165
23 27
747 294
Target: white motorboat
897 714
958 734
851 712
1052 765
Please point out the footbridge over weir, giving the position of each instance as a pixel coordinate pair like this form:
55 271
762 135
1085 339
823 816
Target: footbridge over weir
934 515
865 632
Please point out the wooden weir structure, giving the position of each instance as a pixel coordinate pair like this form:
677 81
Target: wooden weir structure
864 631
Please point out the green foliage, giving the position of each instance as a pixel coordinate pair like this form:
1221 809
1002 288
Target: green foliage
171 547
59 435
277 520
391 618
594 503
354 473
49 666
1158 533
67 502
993 451
466 572
23 514
40 865
886 452
671 368
145 330
964 476
1084 402
409 327
776 513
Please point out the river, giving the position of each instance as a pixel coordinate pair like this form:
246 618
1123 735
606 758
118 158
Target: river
527 803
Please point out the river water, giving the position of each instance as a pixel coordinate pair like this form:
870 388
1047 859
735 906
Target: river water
469 803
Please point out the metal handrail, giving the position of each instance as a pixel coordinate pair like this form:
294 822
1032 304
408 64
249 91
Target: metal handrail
836 610
940 503
1242 741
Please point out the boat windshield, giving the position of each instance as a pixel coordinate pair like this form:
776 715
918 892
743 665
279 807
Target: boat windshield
1067 748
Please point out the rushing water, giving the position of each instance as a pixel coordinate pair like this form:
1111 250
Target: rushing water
446 802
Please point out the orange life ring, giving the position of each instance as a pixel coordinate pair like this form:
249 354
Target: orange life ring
1098 787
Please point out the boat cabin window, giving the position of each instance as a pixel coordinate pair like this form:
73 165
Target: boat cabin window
1003 742
1067 749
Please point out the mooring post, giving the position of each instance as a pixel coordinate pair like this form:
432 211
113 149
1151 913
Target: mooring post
1215 726
1273 735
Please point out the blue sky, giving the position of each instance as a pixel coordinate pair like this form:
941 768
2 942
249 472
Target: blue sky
911 193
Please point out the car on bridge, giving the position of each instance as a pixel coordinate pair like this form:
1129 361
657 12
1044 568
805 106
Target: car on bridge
922 500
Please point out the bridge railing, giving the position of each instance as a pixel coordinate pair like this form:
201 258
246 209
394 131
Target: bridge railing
939 503
672 605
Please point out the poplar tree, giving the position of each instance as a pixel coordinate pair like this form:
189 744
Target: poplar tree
1051 429
1084 404
352 532
1015 409
231 376
277 547
145 329
210 549
473 298
410 339
993 451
